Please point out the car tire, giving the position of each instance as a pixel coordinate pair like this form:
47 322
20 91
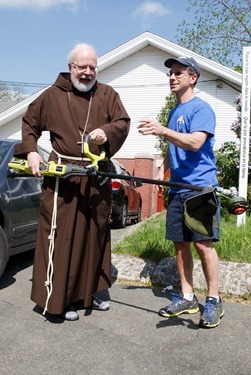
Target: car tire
4 256
121 223
138 219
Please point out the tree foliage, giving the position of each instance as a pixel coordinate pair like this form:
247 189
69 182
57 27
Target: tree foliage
228 156
219 30
227 161
162 118
8 94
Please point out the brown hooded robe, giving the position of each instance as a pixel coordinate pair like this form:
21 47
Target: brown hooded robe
82 252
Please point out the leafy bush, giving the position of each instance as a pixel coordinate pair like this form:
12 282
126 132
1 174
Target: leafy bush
228 156
227 161
162 118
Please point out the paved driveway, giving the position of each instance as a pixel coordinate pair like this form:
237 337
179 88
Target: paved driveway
129 339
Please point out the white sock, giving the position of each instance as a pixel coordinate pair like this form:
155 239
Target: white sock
188 297
216 297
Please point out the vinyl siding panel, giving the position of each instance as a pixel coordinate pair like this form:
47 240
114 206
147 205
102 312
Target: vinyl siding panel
142 84
13 131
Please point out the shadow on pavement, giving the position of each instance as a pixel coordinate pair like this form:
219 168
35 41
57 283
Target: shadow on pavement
179 321
165 322
16 264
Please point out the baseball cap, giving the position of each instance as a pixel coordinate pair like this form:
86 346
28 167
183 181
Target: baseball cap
187 61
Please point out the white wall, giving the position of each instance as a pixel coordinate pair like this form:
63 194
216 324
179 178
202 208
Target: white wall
142 84
12 130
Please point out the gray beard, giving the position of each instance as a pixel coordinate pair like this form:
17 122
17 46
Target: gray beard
80 86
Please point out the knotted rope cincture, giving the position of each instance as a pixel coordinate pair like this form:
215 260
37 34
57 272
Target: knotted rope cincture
50 269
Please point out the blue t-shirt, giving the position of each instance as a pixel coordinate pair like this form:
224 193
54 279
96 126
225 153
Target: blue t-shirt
194 168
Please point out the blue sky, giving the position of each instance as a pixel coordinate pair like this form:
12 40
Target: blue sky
36 35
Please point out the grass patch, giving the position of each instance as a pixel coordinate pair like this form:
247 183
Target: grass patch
235 242
148 241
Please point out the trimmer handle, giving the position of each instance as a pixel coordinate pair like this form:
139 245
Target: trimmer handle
94 158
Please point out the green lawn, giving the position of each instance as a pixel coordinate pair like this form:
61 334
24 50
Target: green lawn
148 240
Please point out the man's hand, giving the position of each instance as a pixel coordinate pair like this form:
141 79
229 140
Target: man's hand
34 161
98 136
147 126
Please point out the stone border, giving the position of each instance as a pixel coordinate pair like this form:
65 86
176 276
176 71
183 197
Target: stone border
234 278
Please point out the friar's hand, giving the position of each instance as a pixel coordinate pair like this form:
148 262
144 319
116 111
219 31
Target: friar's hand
34 161
98 136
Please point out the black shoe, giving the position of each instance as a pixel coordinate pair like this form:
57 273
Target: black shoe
213 312
97 304
179 305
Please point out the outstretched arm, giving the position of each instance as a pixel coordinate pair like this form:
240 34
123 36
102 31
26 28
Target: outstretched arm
188 141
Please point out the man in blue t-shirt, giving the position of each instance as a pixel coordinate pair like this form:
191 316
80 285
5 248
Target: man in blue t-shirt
190 157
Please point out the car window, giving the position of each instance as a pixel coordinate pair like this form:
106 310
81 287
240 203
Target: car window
119 169
4 148
112 167
125 173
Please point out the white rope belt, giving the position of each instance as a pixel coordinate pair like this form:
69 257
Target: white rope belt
61 156
50 268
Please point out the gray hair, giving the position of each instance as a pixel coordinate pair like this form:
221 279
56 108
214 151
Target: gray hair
80 47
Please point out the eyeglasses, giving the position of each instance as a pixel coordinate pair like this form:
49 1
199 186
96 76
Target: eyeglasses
177 73
80 68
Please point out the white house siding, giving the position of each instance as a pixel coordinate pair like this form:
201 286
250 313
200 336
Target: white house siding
44 141
142 84
12 130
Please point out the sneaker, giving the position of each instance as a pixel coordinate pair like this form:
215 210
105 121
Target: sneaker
179 305
213 312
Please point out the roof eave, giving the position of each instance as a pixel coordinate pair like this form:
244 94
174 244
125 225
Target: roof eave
145 39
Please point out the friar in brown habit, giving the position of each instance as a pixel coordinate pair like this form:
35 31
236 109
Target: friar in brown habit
73 250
